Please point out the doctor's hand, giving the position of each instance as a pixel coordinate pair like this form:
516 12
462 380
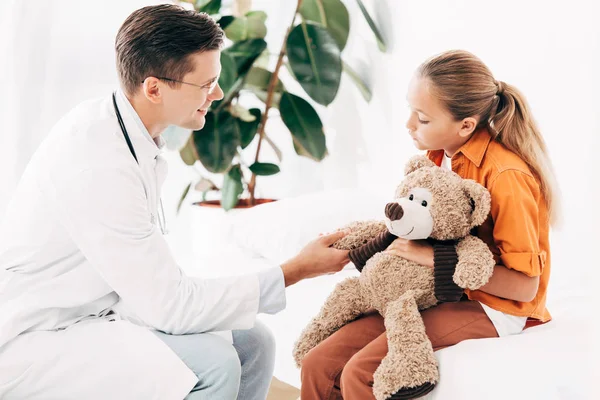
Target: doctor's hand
315 259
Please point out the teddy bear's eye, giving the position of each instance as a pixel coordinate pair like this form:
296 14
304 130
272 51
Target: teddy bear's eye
411 197
424 203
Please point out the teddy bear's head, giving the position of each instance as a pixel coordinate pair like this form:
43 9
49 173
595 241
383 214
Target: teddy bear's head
432 202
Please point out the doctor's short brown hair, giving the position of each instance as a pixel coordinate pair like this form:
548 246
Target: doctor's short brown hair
158 40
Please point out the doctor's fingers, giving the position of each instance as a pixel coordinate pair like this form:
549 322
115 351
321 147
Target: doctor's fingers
331 238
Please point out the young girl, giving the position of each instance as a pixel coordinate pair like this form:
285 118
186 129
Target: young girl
482 129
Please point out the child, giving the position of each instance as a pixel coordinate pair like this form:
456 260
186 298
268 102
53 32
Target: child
482 129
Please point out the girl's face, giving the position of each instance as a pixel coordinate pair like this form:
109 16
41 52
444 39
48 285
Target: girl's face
430 124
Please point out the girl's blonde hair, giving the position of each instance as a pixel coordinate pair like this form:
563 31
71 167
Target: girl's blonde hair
468 89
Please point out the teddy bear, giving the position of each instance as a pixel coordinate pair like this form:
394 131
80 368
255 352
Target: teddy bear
431 203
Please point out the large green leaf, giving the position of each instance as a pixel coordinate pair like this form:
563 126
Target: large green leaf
187 153
245 52
305 125
225 20
232 187
247 130
378 36
264 169
332 14
228 72
258 80
251 26
315 60
210 7
216 144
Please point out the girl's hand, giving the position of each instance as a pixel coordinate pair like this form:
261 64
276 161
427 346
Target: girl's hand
419 251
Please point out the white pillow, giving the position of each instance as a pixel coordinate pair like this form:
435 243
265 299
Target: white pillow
278 231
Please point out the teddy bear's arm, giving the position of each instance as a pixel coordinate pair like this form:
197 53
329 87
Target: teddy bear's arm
360 233
475 263
361 255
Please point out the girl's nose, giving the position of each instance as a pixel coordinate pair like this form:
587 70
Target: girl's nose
410 124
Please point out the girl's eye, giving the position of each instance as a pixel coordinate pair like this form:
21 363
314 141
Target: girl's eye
423 122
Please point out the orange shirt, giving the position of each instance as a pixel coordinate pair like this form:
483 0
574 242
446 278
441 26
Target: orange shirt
517 229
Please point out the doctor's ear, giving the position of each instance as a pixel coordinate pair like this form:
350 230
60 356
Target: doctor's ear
151 89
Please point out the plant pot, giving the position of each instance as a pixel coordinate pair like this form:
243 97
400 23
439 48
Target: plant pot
211 227
242 204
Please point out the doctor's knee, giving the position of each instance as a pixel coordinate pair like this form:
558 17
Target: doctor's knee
227 370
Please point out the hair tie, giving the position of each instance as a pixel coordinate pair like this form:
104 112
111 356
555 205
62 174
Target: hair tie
500 86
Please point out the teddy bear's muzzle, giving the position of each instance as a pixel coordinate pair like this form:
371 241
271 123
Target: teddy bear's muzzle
394 211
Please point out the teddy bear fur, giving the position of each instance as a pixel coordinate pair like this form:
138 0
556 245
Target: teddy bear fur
398 288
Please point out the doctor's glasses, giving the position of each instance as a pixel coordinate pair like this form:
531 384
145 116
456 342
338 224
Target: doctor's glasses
211 86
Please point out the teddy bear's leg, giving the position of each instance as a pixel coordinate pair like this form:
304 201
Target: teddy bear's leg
410 369
344 304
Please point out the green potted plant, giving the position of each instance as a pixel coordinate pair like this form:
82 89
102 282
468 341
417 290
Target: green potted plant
311 51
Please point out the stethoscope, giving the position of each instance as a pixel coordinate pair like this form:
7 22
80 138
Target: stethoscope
162 222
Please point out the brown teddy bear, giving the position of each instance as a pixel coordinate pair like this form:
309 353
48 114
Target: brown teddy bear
431 203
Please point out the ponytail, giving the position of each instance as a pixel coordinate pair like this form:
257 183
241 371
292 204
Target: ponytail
512 124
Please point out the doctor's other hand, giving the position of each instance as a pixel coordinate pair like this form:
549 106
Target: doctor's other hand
315 259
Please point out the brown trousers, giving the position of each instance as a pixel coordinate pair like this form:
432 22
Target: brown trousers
342 366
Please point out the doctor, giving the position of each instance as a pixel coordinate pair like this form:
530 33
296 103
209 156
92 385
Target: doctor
92 304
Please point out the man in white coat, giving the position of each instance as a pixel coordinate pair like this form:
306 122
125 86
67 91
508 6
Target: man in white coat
92 303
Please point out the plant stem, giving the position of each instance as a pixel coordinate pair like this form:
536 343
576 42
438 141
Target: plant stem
270 93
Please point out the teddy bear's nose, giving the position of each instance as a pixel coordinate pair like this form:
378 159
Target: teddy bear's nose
394 211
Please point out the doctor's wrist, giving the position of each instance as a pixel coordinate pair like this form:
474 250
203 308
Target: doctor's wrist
293 271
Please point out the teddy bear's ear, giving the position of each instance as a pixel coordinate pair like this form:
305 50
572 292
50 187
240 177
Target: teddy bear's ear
417 162
481 201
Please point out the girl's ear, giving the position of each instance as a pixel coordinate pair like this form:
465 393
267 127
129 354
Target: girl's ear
467 127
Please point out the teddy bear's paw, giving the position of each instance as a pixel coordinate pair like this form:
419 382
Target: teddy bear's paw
385 387
299 356
413 392
386 381
397 377
308 340
300 349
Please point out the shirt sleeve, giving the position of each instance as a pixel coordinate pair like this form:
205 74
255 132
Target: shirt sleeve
106 213
272 291
515 211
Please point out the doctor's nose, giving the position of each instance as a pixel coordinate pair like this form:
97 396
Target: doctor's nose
217 94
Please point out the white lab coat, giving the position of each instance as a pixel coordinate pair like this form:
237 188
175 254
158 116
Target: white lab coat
85 272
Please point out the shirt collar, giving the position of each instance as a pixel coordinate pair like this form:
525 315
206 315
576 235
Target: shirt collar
474 149
149 147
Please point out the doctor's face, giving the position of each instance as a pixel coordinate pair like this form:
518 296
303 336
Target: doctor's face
186 106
